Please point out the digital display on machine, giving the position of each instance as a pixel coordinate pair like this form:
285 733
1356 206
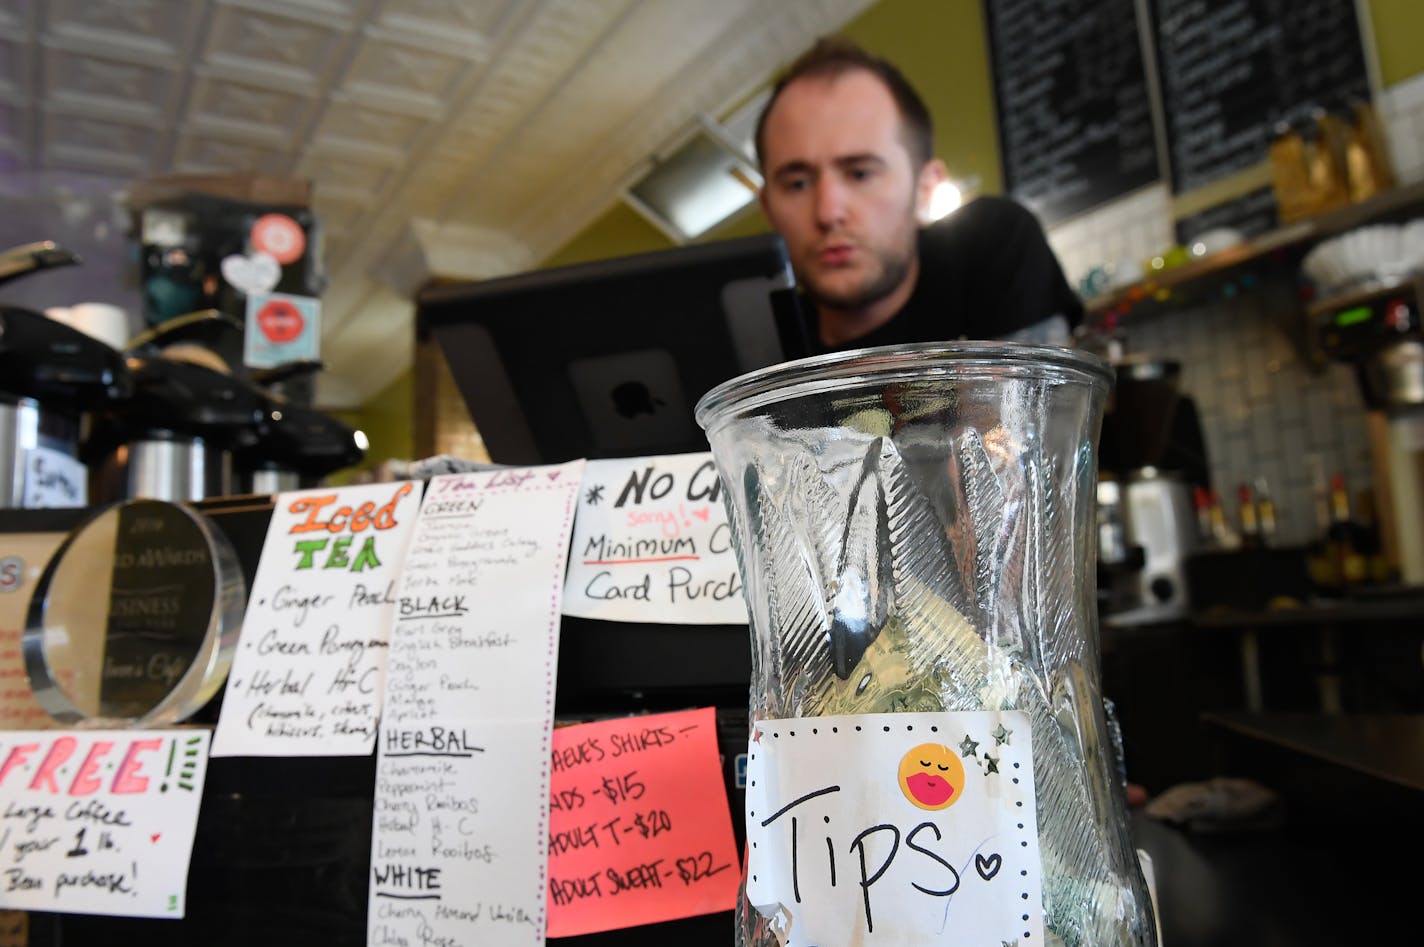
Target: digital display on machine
1353 317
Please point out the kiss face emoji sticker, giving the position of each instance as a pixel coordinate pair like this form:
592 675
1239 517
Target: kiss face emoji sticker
931 776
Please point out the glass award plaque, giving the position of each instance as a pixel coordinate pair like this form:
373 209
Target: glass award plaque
135 618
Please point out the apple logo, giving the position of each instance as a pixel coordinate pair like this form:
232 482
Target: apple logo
633 398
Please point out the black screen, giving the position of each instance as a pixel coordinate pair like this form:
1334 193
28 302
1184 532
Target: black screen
608 359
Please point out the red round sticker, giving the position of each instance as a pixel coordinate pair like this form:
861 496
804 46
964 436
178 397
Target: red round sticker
279 235
280 321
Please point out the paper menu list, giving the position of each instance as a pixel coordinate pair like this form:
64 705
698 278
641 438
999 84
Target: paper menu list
306 677
460 820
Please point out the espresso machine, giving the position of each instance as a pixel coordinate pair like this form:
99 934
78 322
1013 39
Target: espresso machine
1378 331
1152 455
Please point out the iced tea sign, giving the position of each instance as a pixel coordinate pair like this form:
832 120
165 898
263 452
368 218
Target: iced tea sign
99 821
652 544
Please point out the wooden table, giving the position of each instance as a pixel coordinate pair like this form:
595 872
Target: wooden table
1387 747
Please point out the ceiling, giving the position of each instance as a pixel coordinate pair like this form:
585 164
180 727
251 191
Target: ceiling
454 138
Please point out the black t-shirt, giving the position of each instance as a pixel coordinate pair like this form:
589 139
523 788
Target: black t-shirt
986 271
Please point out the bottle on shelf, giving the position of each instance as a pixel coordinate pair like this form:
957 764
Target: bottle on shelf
1290 175
1246 515
1325 162
1371 169
1201 503
1343 537
1321 563
1223 537
1265 512
1377 566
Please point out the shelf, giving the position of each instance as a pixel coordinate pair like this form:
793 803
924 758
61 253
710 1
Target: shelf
1290 237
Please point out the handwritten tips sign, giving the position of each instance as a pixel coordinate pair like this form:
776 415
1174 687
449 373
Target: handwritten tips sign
895 828
99 821
307 676
459 840
639 829
652 544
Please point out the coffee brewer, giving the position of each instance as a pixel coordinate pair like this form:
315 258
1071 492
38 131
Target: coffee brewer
51 376
1378 331
1152 455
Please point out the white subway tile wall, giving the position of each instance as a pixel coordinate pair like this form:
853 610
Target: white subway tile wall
1266 413
1401 107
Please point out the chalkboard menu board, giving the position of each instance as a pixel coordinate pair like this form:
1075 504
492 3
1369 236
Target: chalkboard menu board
1251 214
1075 120
1231 70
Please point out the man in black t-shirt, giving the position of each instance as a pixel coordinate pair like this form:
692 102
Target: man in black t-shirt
846 147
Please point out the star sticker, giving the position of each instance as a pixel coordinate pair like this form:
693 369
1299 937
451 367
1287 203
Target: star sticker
991 765
1009 943
968 747
1002 734
594 495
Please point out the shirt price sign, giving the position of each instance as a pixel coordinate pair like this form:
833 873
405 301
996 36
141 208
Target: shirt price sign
652 544
639 828
99 821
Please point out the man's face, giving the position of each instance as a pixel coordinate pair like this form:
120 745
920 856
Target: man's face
841 189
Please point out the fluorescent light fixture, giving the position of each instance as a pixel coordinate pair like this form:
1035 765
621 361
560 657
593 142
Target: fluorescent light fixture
703 182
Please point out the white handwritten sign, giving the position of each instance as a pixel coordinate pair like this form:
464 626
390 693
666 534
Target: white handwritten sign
54 479
306 679
99 821
651 544
895 828
461 809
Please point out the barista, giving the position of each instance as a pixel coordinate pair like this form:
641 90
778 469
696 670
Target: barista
845 145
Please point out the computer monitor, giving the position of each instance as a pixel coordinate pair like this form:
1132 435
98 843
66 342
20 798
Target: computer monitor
607 359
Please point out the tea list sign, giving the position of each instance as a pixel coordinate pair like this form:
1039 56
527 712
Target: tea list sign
895 828
306 678
652 544
639 828
460 834
99 821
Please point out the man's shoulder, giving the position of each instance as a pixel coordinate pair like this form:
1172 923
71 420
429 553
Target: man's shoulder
987 215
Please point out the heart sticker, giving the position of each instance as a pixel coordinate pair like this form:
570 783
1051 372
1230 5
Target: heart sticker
701 514
154 837
988 867
252 275
280 321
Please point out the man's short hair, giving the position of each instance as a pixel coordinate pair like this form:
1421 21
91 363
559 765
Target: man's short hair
834 56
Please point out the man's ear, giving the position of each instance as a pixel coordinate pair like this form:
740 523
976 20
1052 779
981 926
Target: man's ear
933 174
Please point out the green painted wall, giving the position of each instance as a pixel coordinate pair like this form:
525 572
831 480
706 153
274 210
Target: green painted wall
1399 38
389 421
621 231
